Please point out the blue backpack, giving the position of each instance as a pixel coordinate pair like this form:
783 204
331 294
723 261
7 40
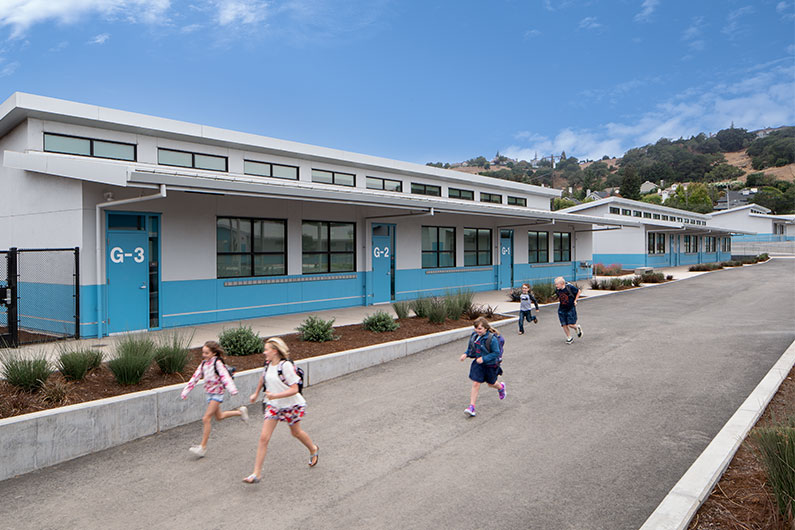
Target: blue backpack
500 343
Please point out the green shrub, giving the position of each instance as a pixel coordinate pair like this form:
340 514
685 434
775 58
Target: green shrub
421 306
402 309
28 373
615 284
75 364
635 281
703 267
480 310
134 354
458 303
315 329
732 263
240 341
762 257
669 277
652 277
437 311
379 322
172 352
775 446
544 292
599 269
514 294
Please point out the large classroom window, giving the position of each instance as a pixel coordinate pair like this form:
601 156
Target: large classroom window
250 247
477 246
438 247
656 243
726 244
710 244
464 195
268 169
691 244
378 183
333 177
74 145
537 247
328 247
426 189
172 157
561 246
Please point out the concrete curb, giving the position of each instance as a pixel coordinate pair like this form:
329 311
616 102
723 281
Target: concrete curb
685 498
40 439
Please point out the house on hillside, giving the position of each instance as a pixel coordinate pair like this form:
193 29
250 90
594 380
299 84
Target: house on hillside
664 237
181 224
648 187
596 195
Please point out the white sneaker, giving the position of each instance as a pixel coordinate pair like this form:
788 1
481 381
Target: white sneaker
569 340
198 450
243 413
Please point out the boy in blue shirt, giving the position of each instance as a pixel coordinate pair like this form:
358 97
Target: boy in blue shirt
568 295
525 307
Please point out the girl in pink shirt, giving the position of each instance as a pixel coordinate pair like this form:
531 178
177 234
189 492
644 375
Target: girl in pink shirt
216 380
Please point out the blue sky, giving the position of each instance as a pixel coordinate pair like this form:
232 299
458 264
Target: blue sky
418 80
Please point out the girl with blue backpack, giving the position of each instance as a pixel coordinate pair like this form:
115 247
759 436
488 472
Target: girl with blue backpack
283 402
486 351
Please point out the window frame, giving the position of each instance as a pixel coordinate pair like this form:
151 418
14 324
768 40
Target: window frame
517 201
271 164
537 250
334 177
613 210
415 186
193 159
477 251
437 252
558 252
626 211
383 181
637 213
90 146
460 193
489 197
251 252
328 251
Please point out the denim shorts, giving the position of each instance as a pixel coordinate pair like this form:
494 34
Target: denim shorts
214 397
567 317
480 373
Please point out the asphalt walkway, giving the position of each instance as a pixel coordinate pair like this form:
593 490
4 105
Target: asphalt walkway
591 436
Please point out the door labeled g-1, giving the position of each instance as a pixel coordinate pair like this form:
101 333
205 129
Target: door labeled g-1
127 267
506 259
383 263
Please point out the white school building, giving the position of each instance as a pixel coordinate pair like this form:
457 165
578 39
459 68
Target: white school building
758 220
664 237
182 224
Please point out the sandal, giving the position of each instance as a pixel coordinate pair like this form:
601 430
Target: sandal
313 458
251 479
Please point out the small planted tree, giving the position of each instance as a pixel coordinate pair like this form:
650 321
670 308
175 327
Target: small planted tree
380 322
240 341
315 329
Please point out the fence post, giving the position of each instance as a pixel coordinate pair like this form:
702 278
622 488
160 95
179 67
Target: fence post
77 292
13 313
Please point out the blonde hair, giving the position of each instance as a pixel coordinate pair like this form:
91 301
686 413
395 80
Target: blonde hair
280 346
560 279
481 321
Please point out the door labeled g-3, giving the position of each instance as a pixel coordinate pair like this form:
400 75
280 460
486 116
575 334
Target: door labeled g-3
383 259
127 266
506 259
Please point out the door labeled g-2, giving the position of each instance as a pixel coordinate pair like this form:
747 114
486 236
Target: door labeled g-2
127 266
506 259
383 263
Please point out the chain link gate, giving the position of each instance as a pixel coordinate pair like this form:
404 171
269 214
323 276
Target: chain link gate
39 295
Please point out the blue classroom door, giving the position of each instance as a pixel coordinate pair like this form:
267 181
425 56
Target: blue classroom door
127 268
383 258
506 259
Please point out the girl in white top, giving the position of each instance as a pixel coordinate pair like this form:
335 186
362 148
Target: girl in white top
282 403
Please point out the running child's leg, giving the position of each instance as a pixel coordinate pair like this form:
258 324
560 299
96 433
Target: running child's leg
262 446
207 421
221 415
303 437
473 395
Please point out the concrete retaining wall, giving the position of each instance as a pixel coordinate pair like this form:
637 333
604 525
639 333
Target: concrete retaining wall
40 439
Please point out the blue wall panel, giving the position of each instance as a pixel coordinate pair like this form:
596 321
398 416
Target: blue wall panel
627 261
416 283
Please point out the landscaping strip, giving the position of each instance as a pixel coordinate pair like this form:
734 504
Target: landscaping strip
683 501
40 439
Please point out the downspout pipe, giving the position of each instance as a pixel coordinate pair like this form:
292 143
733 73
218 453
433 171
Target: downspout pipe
98 243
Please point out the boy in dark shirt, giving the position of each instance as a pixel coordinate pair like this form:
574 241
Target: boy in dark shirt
568 295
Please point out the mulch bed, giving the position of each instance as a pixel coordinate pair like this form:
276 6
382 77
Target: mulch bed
100 383
742 499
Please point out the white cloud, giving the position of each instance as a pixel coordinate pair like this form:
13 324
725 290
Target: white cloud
231 12
786 11
102 38
8 69
531 33
614 93
760 99
734 21
647 8
20 15
60 46
589 23
692 35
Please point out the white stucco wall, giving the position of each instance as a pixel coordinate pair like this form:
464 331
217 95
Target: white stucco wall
744 221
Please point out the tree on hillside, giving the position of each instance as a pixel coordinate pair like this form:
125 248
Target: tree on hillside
776 149
652 198
559 203
723 172
779 202
630 183
696 198
477 162
732 139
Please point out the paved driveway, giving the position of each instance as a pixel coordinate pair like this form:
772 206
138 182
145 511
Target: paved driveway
591 436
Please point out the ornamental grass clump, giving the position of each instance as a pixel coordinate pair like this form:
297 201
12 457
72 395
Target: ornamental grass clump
458 303
55 391
652 277
421 306
315 329
134 354
28 373
615 284
172 352
762 257
241 340
614 269
704 267
380 322
402 309
75 364
775 448
437 311
543 292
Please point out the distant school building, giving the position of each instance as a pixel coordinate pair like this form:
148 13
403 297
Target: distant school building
182 224
664 237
